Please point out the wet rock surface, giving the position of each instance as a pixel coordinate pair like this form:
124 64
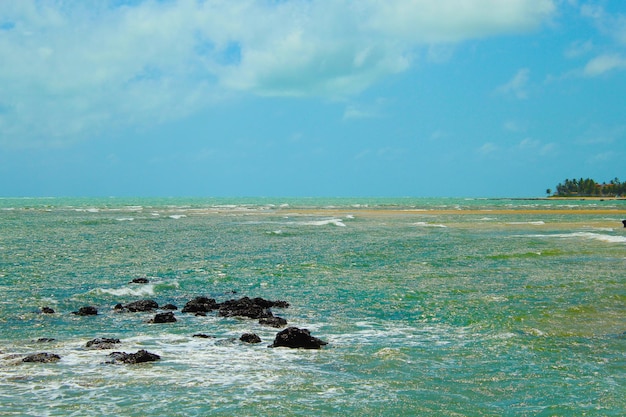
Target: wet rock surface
43 357
293 337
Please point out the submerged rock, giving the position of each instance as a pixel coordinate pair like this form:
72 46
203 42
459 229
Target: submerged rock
250 338
203 336
86 311
293 337
138 306
47 310
200 305
43 357
140 280
164 318
169 307
132 358
45 340
273 321
102 343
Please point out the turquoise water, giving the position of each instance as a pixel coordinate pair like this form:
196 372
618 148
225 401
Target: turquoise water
430 307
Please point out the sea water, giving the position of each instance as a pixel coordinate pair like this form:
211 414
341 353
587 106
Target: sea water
430 307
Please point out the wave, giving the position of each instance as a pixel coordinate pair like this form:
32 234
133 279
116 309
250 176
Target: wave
426 224
586 235
336 222
534 223
140 291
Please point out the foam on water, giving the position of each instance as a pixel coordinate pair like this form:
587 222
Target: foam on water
584 235
426 224
135 291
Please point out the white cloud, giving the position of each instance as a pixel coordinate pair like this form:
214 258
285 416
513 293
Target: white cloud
517 85
579 48
72 70
488 148
603 64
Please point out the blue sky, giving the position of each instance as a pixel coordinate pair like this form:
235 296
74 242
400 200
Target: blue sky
429 98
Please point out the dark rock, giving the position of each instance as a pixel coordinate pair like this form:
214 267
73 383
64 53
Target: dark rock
132 358
624 223
245 307
45 340
200 305
140 280
102 343
42 358
200 314
164 318
169 307
141 305
203 336
86 311
250 338
274 321
294 337
47 310
118 307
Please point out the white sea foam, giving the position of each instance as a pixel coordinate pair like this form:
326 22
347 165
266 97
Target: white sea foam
139 291
534 223
586 235
125 219
426 224
336 222
177 216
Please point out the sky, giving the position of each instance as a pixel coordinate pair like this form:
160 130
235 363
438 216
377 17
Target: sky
278 98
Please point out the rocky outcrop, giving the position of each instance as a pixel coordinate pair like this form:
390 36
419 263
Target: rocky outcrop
273 321
133 358
138 306
293 337
140 280
46 310
200 305
167 317
43 357
169 307
86 311
250 338
254 308
102 343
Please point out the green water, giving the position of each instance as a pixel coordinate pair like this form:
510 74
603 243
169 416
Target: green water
476 310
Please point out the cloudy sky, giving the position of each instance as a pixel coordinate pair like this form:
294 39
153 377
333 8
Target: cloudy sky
310 97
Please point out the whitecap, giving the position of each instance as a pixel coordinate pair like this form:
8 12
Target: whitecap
336 222
177 216
587 235
135 291
125 219
535 223
426 224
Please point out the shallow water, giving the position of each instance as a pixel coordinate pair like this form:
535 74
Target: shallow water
430 306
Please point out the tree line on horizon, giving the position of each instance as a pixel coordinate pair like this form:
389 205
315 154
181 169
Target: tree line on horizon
587 187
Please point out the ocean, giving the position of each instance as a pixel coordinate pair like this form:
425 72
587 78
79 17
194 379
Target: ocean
430 307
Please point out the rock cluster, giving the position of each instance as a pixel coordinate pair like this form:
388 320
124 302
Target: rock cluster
133 358
253 308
